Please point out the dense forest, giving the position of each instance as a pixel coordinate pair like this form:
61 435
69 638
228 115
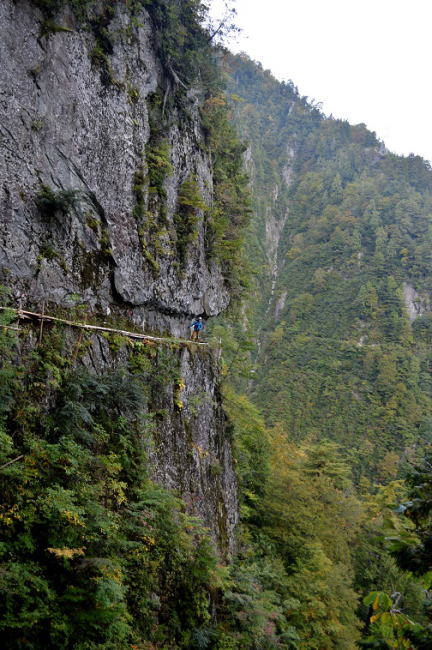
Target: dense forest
338 321
323 238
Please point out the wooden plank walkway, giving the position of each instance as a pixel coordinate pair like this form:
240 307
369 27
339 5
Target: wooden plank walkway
30 315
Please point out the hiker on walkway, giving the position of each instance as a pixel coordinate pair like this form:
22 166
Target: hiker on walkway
196 327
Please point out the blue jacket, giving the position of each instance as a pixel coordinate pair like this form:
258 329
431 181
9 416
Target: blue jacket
197 325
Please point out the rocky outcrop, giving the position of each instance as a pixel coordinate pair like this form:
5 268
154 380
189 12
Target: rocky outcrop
274 227
190 451
68 128
81 222
414 303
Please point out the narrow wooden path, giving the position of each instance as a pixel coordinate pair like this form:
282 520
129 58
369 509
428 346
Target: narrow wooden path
30 315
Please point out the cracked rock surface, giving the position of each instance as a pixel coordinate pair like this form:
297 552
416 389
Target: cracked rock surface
62 127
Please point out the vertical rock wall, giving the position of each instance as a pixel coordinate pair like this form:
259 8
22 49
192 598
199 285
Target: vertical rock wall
190 451
75 134
65 126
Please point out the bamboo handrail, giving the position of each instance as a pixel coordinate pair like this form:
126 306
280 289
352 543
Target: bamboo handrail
23 314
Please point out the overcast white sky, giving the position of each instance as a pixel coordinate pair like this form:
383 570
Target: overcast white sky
366 61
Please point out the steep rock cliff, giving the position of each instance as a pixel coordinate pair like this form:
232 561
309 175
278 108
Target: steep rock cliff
96 156
65 126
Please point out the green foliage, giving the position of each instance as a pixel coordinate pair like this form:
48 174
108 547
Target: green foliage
254 606
150 210
48 27
48 252
189 205
230 211
293 581
251 448
181 39
145 220
388 624
92 552
8 376
340 235
183 43
158 166
419 511
53 203
339 359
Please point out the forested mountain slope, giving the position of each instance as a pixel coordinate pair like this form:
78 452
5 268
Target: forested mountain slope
249 494
332 348
343 311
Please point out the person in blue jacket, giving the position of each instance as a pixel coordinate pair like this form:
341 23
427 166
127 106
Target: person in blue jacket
196 327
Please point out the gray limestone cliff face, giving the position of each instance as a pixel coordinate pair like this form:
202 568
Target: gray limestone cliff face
65 131
63 126
190 451
274 225
415 304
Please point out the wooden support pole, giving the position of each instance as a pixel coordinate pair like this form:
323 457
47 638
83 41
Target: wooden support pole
41 323
78 343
